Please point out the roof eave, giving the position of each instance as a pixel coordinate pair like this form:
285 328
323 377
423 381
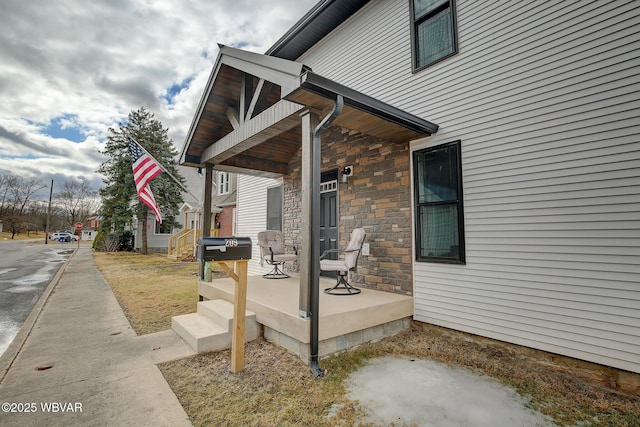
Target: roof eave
315 83
323 18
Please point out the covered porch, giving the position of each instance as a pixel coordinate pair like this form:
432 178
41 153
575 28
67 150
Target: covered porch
274 118
345 321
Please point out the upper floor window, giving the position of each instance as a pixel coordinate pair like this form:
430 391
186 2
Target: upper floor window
224 183
438 199
433 31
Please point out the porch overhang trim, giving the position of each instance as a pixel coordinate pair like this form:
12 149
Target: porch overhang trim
242 162
253 172
271 122
300 88
186 207
314 83
278 71
189 160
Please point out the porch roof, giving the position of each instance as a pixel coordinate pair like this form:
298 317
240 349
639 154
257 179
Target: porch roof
248 118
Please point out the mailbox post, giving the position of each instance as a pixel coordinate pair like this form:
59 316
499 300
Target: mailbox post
232 255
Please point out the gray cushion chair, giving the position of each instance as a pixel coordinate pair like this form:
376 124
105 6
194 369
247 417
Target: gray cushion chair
272 251
347 263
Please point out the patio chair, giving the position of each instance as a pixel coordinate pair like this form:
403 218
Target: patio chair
348 263
272 251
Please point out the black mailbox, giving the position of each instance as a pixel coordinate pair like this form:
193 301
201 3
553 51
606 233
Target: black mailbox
222 249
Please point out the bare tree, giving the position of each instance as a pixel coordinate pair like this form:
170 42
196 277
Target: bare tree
26 221
9 187
4 192
16 194
21 192
77 201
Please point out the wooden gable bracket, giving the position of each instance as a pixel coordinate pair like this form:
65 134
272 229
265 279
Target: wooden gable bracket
248 100
254 100
233 116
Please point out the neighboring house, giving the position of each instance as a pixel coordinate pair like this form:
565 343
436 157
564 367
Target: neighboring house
90 230
190 217
225 200
253 199
158 234
493 155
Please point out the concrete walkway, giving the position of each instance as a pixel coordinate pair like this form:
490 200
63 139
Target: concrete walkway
77 361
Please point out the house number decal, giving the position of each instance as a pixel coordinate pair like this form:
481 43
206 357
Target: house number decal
231 243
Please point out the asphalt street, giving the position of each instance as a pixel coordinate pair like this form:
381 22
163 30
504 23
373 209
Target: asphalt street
26 268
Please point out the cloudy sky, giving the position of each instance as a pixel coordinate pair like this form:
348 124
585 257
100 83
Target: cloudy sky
70 69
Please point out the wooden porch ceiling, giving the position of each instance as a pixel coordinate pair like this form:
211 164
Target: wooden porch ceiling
351 118
268 159
361 113
263 146
214 123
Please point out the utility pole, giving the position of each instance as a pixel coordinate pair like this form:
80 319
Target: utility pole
46 231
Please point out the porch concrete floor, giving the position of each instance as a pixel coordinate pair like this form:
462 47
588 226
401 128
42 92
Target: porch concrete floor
345 321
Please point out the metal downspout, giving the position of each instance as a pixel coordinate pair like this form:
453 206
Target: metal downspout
314 296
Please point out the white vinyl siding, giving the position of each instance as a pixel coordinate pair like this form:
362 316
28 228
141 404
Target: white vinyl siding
251 211
545 98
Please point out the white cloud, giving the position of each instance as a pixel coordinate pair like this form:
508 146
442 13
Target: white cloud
89 64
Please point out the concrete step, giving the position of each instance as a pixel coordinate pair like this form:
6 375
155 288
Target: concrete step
220 312
201 333
211 328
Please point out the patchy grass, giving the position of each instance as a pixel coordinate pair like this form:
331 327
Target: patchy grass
37 238
22 236
277 388
274 389
151 289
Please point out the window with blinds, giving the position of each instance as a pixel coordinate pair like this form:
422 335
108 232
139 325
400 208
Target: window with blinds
433 31
438 198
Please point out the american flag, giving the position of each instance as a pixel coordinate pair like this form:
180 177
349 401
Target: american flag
145 169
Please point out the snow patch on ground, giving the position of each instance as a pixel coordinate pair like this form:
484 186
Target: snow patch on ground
403 391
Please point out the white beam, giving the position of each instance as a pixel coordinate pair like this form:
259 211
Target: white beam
233 116
254 100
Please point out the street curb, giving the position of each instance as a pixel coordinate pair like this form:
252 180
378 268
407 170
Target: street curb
10 354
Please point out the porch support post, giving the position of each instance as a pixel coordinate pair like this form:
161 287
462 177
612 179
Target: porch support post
208 186
310 167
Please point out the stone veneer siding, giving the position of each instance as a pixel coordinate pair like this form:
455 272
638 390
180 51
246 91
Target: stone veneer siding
376 198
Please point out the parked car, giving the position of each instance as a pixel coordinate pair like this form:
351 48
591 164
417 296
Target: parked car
63 236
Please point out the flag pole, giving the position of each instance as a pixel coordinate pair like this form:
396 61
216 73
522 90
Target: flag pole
164 169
